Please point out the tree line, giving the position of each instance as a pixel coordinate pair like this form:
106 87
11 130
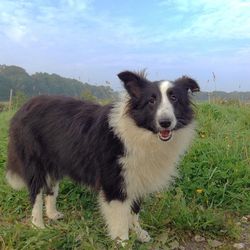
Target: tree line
17 79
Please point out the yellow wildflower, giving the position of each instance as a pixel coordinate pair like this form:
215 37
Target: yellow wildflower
199 190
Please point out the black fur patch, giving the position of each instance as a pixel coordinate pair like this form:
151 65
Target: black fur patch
136 206
61 136
145 99
182 103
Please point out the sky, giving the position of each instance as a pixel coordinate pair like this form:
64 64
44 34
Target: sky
95 40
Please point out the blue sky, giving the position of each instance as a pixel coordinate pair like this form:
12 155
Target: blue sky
94 40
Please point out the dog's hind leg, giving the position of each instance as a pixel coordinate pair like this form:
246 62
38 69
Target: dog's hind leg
37 211
35 180
50 203
134 224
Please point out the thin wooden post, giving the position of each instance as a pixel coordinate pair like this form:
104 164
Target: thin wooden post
10 99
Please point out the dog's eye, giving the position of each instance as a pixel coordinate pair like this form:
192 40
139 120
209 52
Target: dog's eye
173 98
152 100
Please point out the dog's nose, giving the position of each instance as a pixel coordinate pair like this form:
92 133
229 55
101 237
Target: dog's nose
165 123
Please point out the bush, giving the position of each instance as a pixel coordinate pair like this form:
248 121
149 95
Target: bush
19 99
3 106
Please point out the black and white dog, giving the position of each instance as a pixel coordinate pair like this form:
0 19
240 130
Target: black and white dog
124 150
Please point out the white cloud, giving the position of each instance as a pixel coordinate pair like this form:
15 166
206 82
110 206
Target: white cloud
16 32
26 21
197 20
222 19
77 5
14 27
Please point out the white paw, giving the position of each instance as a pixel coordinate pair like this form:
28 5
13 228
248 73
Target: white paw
38 223
143 236
55 215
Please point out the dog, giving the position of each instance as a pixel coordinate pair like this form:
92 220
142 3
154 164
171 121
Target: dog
124 150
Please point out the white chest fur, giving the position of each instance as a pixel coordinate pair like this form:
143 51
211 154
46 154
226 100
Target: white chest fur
149 163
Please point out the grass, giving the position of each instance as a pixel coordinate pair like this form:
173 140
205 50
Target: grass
212 193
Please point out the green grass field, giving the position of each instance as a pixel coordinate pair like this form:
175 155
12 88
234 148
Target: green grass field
211 195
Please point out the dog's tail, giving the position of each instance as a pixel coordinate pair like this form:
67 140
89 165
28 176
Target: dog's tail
14 168
15 180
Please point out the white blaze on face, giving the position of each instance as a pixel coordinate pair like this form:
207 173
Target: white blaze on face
165 109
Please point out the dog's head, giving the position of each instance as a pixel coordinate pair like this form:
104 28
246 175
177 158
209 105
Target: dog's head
160 106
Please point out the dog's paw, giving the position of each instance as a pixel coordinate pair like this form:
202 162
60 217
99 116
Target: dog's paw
55 216
37 223
143 236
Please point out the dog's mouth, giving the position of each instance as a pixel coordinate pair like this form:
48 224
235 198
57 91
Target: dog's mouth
165 134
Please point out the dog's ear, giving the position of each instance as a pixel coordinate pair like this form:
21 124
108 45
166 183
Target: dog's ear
133 83
188 83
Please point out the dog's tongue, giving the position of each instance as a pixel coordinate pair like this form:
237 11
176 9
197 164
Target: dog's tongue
165 133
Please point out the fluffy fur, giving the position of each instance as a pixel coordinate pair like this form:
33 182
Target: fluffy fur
123 150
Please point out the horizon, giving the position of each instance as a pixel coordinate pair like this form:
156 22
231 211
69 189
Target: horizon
93 41
109 85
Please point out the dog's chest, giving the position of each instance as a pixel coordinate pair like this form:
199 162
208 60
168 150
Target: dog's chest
146 172
149 165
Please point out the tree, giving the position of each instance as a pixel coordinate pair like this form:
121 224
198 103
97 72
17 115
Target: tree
19 99
88 96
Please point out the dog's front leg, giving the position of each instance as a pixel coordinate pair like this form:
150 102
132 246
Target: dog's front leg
142 235
116 214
